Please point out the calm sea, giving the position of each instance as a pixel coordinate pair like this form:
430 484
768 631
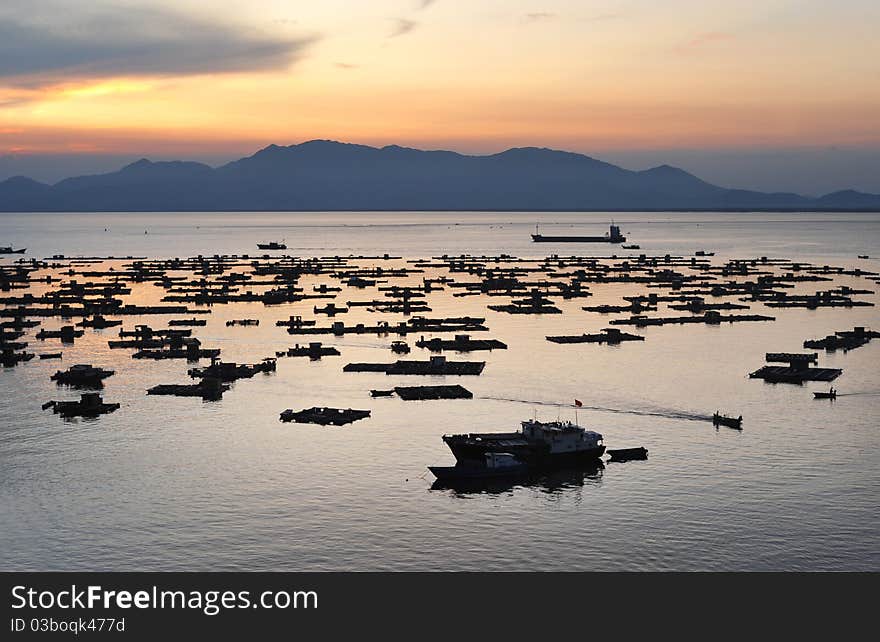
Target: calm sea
170 483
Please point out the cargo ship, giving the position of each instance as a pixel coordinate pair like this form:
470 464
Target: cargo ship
612 236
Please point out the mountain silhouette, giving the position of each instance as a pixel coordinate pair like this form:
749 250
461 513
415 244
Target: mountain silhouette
329 175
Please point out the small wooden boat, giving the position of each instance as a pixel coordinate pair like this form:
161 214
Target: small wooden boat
381 393
831 394
50 355
628 454
864 256
7 249
731 422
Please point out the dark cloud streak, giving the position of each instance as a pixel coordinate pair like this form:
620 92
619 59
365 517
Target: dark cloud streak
402 26
44 41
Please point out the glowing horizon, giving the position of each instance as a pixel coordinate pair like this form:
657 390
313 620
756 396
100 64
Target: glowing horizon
169 78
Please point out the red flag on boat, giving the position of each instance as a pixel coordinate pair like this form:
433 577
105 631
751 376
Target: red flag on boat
577 403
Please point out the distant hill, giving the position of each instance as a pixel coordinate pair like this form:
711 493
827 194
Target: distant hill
328 175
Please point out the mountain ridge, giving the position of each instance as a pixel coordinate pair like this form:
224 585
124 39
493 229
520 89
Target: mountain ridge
323 174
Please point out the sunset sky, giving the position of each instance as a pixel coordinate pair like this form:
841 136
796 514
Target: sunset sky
634 81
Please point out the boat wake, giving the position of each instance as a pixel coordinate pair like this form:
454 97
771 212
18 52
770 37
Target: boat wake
659 412
859 394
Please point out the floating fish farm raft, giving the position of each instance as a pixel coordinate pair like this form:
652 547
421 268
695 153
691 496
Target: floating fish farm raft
461 343
81 376
91 404
433 366
611 336
313 351
209 389
421 393
390 297
845 340
797 371
324 416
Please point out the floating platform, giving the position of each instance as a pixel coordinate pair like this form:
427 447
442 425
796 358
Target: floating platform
190 352
611 336
434 366
461 343
330 310
827 299
67 334
698 306
400 347
382 393
9 359
99 323
636 307
845 340
231 371
187 322
296 321
797 371
421 393
324 416
791 357
146 332
789 374
90 405
534 303
711 317
416 324
82 376
209 389
313 351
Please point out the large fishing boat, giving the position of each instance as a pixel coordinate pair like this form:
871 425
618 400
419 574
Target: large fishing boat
613 236
537 445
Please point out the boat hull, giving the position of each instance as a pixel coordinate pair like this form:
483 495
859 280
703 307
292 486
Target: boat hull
550 479
729 422
531 454
540 238
468 472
